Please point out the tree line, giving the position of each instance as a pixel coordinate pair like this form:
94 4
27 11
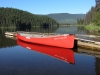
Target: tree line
92 17
12 17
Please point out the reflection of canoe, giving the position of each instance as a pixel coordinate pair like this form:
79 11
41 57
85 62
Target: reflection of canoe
64 54
64 40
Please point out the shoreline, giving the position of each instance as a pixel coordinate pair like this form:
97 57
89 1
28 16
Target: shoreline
92 27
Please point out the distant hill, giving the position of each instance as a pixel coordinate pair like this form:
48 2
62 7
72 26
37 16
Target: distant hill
12 17
66 17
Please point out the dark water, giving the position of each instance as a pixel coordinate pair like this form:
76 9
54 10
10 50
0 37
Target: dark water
18 59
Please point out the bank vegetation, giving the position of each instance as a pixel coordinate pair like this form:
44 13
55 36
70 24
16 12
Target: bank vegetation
92 18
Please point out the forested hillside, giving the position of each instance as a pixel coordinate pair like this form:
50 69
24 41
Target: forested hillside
66 18
92 16
11 17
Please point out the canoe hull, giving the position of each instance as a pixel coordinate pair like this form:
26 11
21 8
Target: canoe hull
65 41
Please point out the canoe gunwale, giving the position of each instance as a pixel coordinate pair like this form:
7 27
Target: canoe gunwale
42 35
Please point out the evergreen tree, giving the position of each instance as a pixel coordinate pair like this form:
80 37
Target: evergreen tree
11 17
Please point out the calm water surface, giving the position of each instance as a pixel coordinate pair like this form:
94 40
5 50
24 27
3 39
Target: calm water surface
71 30
22 61
19 59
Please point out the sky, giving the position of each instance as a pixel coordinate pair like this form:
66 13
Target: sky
50 6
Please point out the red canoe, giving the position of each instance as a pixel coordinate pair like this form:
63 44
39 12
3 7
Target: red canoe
64 40
63 54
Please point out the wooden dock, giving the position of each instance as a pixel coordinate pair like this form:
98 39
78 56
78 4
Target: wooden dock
91 46
79 42
10 33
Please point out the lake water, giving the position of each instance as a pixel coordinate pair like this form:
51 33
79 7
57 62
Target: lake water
18 59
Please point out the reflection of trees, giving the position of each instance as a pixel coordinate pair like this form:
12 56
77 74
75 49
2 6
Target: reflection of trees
6 42
3 30
44 28
97 66
95 54
48 29
81 28
91 32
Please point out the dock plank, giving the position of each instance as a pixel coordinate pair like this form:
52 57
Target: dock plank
89 46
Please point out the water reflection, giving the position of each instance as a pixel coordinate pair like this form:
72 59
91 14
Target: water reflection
71 30
33 29
76 30
66 55
48 29
97 64
21 61
6 42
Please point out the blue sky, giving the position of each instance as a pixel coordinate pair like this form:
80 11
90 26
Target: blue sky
50 6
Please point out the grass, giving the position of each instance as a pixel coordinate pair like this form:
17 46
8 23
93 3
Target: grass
89 27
